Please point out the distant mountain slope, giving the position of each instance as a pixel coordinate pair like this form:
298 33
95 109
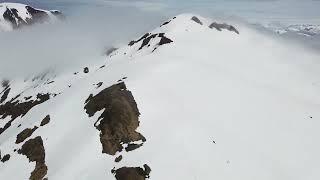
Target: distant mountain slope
16 15
300 29
191 99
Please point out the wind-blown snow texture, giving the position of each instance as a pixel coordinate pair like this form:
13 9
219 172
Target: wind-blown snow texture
213 105
16 15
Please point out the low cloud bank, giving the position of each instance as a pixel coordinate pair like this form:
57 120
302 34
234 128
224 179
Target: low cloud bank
82 38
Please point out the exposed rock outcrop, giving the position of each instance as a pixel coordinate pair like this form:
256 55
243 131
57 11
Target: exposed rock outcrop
219 27
147 38
5 158
16 108
132 173
25 134
197 20
119 120
35 152
45 121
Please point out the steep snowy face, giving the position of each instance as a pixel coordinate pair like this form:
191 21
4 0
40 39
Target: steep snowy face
192 99
15 15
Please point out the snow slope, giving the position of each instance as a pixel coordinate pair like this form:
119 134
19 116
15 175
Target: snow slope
16 15
214 105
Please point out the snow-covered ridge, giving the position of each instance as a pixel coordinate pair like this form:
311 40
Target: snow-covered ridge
168 32
183 101
16 15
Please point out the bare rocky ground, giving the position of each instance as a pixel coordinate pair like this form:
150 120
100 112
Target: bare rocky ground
35 152
117 125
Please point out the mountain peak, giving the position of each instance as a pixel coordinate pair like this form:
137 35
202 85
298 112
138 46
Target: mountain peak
17 15
172 30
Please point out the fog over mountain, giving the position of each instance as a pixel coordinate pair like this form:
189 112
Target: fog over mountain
160 89
86 32
85 29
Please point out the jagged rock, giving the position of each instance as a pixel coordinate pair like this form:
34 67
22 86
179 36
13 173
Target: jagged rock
5 158
5 95
219 27
118 159
15 108
86 70
45 121
119 120
197 20
132 173
35 152
25 134
132 147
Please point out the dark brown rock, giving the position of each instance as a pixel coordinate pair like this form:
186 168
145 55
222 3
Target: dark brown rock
5 95
86 70
132 173
147 170
118 159
99 84
120 119
45 121
25 134
132 147
110 50
5 158
35 152
39 172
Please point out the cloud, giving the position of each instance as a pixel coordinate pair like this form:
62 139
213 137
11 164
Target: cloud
78 41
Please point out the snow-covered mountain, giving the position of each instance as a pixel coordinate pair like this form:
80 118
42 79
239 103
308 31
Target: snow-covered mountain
192 99
16 15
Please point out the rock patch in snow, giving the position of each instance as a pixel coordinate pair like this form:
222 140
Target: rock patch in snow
16 108
5 94
45 121
5 158
25 134
197 20
86 70
35 152
119 120
219 27
132 173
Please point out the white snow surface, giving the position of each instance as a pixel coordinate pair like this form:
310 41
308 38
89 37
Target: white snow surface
22 12
259 105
